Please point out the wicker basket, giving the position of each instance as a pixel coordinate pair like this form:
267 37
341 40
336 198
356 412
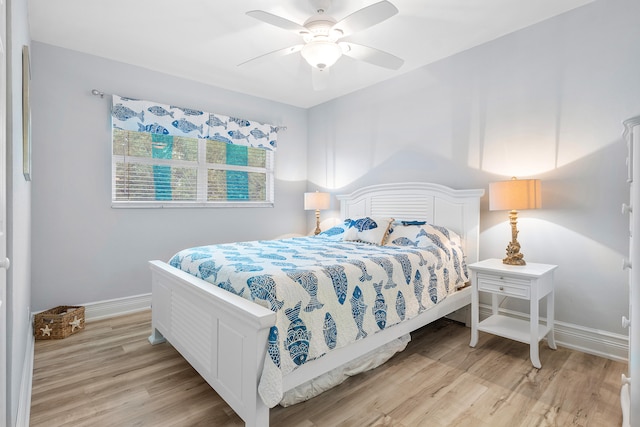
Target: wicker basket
59 322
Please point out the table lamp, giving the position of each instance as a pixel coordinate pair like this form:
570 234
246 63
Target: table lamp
513 195
317 201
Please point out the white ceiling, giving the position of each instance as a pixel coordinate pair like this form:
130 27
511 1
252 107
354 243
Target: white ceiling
205 40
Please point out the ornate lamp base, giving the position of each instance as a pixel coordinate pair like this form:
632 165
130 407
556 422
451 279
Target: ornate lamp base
317 230
514 257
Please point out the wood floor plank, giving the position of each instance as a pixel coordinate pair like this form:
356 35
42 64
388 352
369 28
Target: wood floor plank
109 375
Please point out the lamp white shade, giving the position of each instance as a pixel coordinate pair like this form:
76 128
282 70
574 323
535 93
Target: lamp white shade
515 194
317 201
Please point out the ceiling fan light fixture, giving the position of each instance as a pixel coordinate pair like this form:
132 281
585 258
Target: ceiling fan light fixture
322 36
321 54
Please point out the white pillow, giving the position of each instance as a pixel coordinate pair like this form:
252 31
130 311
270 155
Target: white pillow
421 234
372 230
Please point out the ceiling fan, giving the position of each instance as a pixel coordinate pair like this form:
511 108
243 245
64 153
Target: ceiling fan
321 35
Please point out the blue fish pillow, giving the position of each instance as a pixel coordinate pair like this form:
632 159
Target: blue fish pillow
371 230
421 234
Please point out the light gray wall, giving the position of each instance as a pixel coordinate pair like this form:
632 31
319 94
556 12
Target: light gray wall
545 102
18 215
84 250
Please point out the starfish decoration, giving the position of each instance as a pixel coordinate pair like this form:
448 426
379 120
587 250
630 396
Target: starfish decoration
46 331
75 324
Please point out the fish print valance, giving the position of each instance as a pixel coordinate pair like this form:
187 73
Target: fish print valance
152 117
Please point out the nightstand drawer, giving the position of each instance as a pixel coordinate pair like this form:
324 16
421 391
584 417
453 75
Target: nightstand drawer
507 286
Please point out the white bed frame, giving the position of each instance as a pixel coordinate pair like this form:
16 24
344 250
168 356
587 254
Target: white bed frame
223 336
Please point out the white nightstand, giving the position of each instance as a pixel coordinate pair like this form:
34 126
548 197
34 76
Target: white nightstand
530 282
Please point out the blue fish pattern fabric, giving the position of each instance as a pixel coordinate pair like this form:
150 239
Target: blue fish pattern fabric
236 134
176 261
123 113
153 117
258 134
264 288
363 224
457 265
330 330
401 306
379 309
325 293
445 276
189 111
433 285
387 266
437 253
199 254
418 288
217 137
436 240
187 127
159 111
273 346
215 121
298 336
153 128
208 269
309 282
226 285
403 241
358 310
240 122
404 262
333 231
339 281
363 267
441 241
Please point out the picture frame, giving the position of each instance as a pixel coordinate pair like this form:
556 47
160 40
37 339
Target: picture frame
26 114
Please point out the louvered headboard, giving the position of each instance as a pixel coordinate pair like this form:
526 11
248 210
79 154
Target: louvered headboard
458 210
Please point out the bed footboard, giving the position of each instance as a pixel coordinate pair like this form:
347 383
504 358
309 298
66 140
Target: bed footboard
221 335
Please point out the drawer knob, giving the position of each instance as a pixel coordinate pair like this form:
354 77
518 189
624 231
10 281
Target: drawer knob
625 322
502 288
626 208
626 264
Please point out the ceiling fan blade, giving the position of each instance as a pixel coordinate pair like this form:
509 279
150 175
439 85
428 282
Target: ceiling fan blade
278 21
365 18
371 55
275 54
320 78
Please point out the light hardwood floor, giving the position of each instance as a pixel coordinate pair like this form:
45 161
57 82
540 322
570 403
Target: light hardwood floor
109 375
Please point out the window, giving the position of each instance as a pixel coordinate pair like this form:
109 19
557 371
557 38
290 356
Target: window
171 170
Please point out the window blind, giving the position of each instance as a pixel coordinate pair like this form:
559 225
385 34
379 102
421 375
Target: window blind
192 164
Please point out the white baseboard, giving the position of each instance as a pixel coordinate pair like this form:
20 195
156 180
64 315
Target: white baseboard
116 307
593 341
24 400
587 340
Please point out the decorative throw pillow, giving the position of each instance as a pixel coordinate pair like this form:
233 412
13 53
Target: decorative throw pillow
403 235
368 230
417 235
420 234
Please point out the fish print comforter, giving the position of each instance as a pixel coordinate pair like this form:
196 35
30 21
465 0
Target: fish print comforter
326 293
